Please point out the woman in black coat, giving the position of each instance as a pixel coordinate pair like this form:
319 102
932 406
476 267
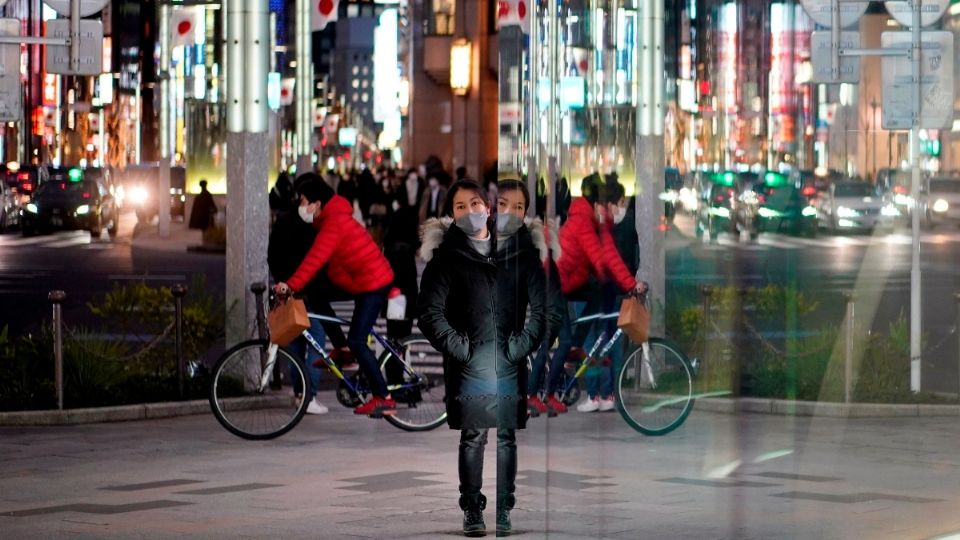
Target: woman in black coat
473 307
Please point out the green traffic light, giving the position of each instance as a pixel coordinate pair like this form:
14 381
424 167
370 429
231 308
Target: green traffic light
75 175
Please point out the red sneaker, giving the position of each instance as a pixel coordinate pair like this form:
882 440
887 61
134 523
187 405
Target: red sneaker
556 405
536 406
344 359
377 407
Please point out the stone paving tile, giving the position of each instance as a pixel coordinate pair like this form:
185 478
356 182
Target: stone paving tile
153 485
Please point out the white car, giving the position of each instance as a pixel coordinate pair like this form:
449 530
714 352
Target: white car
854 206
942 202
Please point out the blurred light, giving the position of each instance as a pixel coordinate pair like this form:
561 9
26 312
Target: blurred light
138 195
83 209
32 208
767 212
890 211
75 175
844 212
461 56
809 211
846 223
941 206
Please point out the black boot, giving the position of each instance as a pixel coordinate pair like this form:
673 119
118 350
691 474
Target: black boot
473 524
504 527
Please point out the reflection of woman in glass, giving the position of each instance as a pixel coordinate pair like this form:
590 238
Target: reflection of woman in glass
473 301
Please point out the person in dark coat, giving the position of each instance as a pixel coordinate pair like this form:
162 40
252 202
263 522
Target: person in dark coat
400 243
474 299
204 208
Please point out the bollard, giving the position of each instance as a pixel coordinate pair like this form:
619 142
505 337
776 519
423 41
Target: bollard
956 299
57 298
848 348
706 291
258 289
179 291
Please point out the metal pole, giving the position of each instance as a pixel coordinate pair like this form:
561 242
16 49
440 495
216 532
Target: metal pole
848 348
915 304
179 291
163 186
706 292
57 298
258 289
75 35
304 89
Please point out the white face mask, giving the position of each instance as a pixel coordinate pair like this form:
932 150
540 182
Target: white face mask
619 214
306 214
473 223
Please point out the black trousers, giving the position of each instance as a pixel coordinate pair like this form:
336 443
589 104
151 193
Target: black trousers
472 444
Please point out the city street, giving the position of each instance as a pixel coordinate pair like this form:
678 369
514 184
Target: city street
580 476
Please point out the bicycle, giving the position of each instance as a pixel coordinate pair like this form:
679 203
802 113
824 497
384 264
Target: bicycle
653 387
256 388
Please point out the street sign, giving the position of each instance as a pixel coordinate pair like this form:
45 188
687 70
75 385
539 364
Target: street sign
821 12
87 7
10 91
91 48
821 56
930 11
936 76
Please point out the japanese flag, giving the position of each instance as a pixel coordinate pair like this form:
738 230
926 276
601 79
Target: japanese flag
286 91
323 12
513 12
183 26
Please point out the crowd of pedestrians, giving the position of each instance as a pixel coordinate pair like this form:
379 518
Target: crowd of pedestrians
499 286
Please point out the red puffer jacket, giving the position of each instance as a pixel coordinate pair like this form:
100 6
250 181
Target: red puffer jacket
354 262
581 253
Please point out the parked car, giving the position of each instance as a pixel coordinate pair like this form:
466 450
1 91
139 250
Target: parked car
855 206
9 206
70 205
942 202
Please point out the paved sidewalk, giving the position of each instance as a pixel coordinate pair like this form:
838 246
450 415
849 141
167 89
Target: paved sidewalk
581 476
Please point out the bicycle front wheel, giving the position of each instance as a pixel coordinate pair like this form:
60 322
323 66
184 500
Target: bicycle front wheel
255 396
415 381
655 388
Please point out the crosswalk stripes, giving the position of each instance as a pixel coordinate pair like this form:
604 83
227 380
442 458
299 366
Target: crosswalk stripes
70 239
770 242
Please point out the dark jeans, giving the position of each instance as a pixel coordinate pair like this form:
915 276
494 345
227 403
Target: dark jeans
567 337
472 444
366 308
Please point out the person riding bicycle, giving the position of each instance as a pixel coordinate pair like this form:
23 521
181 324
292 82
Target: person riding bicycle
588 259
476 292
356 267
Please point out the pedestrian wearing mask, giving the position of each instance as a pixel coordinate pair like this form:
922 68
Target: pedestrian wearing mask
475 295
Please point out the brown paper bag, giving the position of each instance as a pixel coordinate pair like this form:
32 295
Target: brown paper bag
634 319
287 321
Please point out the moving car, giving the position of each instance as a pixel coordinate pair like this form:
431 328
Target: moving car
855 206
783 207
72 204
942 202
717 212
141 183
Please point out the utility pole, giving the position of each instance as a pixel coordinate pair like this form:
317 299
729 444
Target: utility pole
304 88
650 156
247 62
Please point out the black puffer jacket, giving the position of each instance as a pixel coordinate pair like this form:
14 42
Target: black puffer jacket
474 310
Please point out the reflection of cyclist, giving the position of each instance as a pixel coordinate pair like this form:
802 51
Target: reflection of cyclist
354 265
588 259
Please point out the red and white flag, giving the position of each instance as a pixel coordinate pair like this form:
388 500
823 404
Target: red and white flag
286 91
183 26
323 12
511 12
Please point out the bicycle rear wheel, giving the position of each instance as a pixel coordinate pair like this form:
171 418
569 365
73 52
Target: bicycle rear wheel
244 405
655 396
416 383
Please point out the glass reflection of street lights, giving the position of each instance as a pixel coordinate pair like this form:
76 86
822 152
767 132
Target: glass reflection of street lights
873 123
461 56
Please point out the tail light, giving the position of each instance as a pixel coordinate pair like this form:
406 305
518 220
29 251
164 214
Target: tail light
809 190
86 195
23 176
28 187
900 189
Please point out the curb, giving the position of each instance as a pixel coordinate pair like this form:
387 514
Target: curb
822 409
151 411
94 415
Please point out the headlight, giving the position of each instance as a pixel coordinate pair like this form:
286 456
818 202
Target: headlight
83 209
844 212
138 195
768 213
669 196
903 200
32 208
809 211
720 211
941 206
890 211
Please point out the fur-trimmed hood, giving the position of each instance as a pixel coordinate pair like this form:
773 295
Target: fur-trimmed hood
434 229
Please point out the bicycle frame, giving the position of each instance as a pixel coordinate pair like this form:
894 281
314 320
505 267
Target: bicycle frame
606 345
